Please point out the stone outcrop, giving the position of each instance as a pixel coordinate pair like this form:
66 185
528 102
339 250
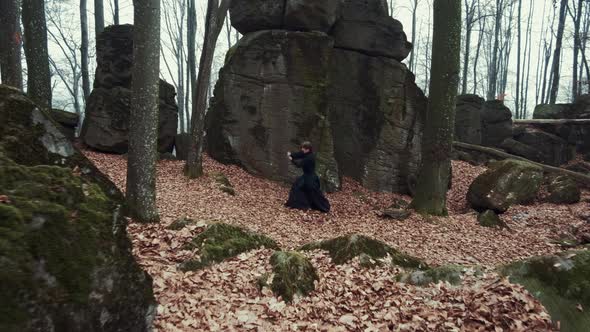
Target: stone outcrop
358 104
496 123
66 261
106 123
67 120
468 119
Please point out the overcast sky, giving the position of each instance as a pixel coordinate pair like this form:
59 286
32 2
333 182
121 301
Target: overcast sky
402 12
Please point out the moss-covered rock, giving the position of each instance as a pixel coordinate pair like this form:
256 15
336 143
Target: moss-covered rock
563 190
293 274
506 183
450 273
223 183
344 248
221 241
181 223
561 283
66 262
489 218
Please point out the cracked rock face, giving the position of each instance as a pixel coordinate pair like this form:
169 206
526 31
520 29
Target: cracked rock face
349 95
106 125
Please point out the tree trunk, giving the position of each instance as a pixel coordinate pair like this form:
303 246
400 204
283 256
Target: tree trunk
577 46
116 12
435 172
414 14
38 75
143 119
524 86
555 71
84 49
10 39
192 58
469 16
482 21
518 61
99 16
213 24
493 79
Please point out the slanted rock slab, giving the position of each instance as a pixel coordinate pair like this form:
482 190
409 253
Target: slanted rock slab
293 274
222 241
506 183
344 248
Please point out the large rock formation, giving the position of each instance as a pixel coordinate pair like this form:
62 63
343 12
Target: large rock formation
106 123
468 119
353 99
66 262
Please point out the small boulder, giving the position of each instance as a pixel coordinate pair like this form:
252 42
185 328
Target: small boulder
344 248
554 150
293 275
563 190
489 218
506 183
221 241
224 183
396 214
450 273
560 282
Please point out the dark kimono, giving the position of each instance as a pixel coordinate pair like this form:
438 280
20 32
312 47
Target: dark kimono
306 193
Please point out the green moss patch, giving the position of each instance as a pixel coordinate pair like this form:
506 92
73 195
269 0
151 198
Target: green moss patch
344 248
221 241
561 283
293 275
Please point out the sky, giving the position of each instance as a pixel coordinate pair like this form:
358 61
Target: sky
402 12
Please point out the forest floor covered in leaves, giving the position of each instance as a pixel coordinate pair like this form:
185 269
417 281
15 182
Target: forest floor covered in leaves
347 297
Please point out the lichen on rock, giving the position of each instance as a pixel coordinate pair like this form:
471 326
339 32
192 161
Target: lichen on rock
293 274
222 241
561 283
344 248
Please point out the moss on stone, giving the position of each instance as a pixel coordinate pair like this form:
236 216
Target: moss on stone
221 241
344 248
560 282
563 190
449 273
506 183
180 223
293 275
490 219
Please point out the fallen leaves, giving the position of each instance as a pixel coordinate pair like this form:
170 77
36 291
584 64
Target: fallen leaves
226 296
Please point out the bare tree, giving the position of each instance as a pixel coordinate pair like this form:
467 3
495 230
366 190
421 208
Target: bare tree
576 16
493 68
143 119
84 48
116 12
99 17
10 39
555 68
414 10
61 35
518 60
174 16
39 76
435 172
215 17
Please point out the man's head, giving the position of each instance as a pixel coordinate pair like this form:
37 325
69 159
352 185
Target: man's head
306 147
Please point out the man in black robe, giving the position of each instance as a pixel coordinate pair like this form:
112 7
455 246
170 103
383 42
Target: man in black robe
306 192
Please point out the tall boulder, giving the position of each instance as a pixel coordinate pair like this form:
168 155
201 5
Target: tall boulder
106 122
496 123
357 103
553 149
65 255
468 119
270 96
